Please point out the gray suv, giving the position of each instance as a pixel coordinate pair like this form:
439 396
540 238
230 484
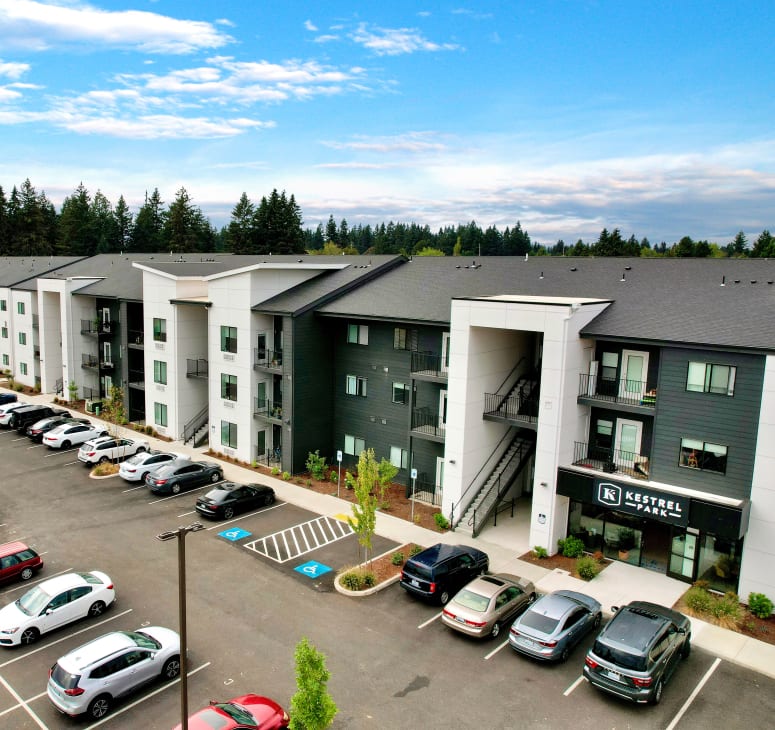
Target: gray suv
637 652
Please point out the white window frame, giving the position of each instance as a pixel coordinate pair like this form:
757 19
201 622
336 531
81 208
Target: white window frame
399 457
356 385
352 444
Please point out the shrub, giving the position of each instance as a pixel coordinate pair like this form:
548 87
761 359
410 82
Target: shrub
698 599
18 387
254 464
416 550
149 430
441 521
540 552
333 476
759 605
571 547
397 558
349 480
587 567
351 581
599 557
369 580
102 470
286 476
308 483
727 609
275 471
316 465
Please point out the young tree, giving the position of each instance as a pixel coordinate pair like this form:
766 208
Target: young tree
113 409
312 708
364 520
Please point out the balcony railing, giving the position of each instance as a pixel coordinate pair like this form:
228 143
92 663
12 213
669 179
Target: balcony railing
268 408
269 359
90 393
197 368
106 328
89 327
35 321
106 365
428 363
89 361
610 460
618 390
516 407
135 337
425 421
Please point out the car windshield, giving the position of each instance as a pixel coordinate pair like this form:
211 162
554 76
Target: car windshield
237 712
472 600
33 601
143 640
539 622
620 658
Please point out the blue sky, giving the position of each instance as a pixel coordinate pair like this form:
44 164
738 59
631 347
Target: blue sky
569 116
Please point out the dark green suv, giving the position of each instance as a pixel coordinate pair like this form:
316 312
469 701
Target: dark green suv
637 652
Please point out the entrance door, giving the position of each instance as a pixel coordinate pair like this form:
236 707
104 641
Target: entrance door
437 492
442 411
627 443
261 347
261 444
632 384
261 397
683 555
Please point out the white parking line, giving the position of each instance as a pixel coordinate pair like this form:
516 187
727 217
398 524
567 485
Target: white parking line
64 638
21 438
573 686
277 547
23 704
148 696
220 525
496 650
134 489
182 493
429 621
35 446
694 694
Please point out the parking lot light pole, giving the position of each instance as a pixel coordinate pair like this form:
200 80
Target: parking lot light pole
180 535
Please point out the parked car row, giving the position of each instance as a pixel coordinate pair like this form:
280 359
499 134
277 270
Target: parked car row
632 657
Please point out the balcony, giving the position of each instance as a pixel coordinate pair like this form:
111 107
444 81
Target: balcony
197 368
135 338
610 460
136 379
106 328
520 407
271 360
633 396
89 327
35 321
272 410
428 366
427 425
89 361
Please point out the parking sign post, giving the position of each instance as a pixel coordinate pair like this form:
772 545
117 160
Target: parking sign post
414 486
339 475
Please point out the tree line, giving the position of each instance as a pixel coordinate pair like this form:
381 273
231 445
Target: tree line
89 224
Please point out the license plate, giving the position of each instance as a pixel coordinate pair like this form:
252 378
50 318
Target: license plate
614 675
460 620
416 583
527 642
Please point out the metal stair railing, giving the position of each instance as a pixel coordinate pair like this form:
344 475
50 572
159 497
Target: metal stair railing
190 429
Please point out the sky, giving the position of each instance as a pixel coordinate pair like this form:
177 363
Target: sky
568 116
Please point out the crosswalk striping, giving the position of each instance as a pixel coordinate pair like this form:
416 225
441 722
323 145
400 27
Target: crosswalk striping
300 539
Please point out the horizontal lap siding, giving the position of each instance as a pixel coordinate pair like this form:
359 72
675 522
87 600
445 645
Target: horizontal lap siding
720 419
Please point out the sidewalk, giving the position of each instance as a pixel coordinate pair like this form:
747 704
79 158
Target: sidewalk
617 585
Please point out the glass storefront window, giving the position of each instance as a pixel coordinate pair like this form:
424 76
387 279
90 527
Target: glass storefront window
719 563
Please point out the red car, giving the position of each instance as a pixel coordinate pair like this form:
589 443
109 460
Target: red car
246 712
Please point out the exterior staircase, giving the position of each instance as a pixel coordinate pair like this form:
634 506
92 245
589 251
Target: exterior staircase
197 429
492 492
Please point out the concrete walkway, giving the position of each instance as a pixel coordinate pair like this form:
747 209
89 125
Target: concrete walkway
617 585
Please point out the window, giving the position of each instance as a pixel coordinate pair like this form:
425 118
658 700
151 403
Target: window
4 332
356 386
702 455
159 330
399 339
400 393
22 338
399 457
609 365
160 414
160 372
20 307
229 434
6 360
358 334
23 368
228 339
709 378
3 305
228 387
354 445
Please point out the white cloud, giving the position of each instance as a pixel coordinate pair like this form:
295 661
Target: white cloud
396 41
38 25
413 142
13 70
326 38
309 25
161 126
8 94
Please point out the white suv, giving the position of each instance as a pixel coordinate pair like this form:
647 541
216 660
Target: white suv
108 448
90 678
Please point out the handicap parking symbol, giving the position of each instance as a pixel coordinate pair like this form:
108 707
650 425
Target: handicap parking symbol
234 534
312 569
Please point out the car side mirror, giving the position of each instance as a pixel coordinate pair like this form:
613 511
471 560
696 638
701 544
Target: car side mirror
614 609
681 630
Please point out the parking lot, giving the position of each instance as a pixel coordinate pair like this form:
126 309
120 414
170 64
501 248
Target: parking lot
393 663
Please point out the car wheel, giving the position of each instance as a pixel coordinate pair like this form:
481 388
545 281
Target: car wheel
96 609
99 707
565 654
657 696
495 630
215 477
228 512
12 421
686 649
171 668
29 636
142 476
103 459
269 499
65 444
26 574
175 488
444 598
140 450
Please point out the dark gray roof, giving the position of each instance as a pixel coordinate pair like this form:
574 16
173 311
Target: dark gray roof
328 284
659 299
22 271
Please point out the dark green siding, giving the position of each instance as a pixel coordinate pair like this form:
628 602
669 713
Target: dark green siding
721 419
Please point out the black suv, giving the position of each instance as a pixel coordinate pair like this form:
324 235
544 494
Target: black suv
26 415
637 652
440 571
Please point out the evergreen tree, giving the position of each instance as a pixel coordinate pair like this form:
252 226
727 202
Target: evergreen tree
764 246
76 234
147 230
684 248
739 246
122 218
332 234
105 228
240 233
5 225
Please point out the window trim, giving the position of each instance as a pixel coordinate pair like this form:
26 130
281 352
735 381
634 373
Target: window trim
160 414
230 430
354 441
228 341
695 450
160 372
228 387
23 338
357 334
707 378
403 457
159 329
402 388
356 385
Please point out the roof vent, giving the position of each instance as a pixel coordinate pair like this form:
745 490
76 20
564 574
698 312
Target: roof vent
525 257
723 281
573 268
737 281
624 278
542 275
753 281
628 268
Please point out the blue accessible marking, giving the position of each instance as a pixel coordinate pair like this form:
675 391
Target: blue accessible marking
234 534
312 569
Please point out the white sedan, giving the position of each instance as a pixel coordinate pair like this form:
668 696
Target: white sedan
54 603
108 448
71 434
136 467
7 409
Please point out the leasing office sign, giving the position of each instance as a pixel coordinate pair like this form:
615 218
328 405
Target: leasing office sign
662 506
